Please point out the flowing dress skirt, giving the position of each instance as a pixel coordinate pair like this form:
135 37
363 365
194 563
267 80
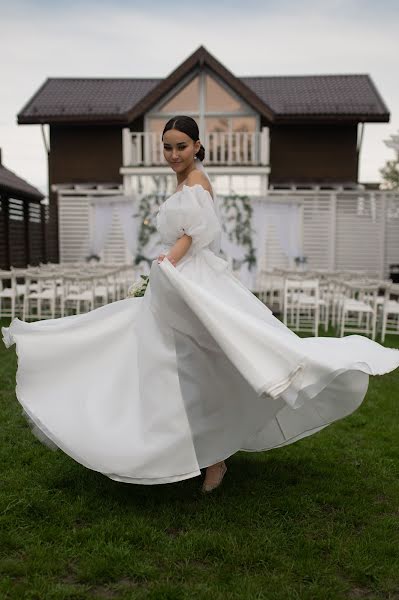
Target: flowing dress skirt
151 390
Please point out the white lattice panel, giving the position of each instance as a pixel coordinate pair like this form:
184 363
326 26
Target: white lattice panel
317 231
392 233
115 249
74 232
359 243
275 257
75 223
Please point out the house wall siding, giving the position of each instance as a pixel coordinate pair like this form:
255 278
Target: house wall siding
83 154
22 232
313 153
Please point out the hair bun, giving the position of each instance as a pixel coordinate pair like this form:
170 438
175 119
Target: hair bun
201 153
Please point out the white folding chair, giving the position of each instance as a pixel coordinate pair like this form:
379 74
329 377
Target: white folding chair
8 294
20 273
390 311
327 294
337 298
263 285
77 289
358 308
301 305
40 296
275 290
123 280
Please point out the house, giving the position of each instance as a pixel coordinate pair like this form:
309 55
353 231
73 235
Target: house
262 135
23 221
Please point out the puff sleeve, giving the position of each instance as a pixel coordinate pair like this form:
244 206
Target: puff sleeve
193 213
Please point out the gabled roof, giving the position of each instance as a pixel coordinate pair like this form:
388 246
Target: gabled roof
278 99
13 185
201 58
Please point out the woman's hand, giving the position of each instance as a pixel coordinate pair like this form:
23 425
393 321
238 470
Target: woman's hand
170 259
178 250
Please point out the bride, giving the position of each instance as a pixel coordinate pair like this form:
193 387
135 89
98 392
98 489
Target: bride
151 390
180 142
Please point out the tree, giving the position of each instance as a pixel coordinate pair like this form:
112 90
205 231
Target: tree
390 172
390 175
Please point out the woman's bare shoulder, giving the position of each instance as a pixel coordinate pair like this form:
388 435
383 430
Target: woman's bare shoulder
196 177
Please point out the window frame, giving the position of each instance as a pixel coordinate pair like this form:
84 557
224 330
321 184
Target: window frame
201 114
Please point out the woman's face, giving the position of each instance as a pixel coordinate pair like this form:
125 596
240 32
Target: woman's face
179 149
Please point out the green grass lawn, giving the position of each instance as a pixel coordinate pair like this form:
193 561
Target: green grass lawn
318 519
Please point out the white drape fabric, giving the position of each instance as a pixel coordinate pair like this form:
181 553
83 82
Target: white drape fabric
102 221
130 225
126 208
151 390
286 219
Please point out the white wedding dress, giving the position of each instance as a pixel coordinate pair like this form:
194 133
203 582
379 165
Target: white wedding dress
151 390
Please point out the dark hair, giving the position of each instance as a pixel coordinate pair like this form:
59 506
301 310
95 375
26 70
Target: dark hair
188 126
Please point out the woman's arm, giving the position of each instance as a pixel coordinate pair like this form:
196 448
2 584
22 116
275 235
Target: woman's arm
178 249
181 246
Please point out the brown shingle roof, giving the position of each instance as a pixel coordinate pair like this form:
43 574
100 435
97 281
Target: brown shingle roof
13 185
91 99
320 95
284 98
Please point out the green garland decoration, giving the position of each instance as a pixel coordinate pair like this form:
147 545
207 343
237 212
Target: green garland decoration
241 207
146 214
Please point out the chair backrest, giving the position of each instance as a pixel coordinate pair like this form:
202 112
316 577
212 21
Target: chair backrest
5 274
394 289
264 279
78 281
7 279
293 286
303 283
363 291
391 291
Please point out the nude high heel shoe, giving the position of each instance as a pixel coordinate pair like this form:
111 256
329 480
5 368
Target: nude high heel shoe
208 487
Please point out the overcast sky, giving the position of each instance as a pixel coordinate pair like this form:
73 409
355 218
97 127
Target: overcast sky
120 38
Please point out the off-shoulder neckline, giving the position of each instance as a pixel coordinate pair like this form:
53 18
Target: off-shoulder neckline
190 187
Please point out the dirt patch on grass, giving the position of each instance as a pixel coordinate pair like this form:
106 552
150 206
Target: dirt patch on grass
113 590
175 531
361 592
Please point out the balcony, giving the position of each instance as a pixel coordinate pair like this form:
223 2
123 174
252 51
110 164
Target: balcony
237 149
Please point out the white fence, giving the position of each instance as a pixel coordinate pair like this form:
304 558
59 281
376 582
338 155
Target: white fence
339 230
235 148
343 230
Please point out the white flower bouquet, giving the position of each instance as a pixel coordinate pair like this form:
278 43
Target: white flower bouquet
138 287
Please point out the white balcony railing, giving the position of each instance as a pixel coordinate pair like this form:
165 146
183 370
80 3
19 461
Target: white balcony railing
232 149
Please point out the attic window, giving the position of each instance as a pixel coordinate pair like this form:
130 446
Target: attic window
187 100
218 98
206 98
